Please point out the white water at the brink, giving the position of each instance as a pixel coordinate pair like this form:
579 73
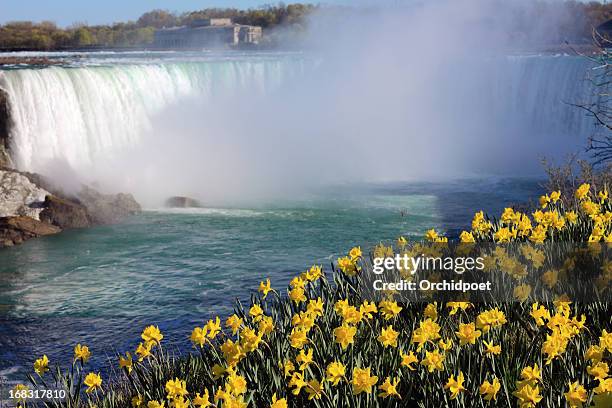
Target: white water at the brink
87 114
498 117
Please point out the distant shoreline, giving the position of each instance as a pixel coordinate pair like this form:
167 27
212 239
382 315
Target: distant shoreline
44 60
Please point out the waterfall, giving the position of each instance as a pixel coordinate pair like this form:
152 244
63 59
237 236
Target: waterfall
80 113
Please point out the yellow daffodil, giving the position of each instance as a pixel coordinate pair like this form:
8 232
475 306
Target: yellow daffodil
234 322
431 235
363 381
297 382
456 306
490 319
20 392
304 358
355 253
256 312
250 339
604 387
202 400
152 335
445 345
278 403
266 325
431 311
265 288
428 330
92 381
594 353
467 237
198 336
605 340
467 333
137 401
402 242
344 335
314 389
236 384
455 386
335 372
408 360
347 266
433 360
555 196
41 365
528 396
297 295
389 309
540 314
314 273
599 370
176 388
583 191
298 338
213 326
143 351
531 375
491 349
489 390
522 292
232 352
367 309
288 367
315 307
81 353
126 362
575 395
388 337
389 388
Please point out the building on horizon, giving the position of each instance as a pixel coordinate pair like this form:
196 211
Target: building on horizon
210 32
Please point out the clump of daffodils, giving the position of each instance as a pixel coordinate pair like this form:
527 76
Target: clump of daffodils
319 343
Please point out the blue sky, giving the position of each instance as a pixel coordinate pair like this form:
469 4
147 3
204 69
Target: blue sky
66 12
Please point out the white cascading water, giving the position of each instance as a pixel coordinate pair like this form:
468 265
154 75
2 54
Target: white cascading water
80 114
84 113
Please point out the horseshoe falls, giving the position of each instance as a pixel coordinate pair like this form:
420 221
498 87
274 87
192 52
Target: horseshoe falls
80 114
88 113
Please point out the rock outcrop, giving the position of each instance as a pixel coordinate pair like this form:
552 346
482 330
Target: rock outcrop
19 196
30 207
108 208
182 202
5 158
65 214
15 230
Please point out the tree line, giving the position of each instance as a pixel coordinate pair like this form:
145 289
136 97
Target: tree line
48 36
581 18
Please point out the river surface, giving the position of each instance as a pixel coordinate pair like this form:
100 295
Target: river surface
102 286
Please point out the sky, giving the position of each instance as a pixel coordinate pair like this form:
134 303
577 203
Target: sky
66 12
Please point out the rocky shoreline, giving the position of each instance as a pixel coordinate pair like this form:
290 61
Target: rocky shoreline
31 207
